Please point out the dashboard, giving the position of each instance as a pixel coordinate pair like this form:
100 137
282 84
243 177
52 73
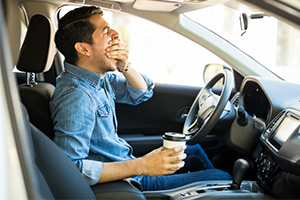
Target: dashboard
278 159
277 156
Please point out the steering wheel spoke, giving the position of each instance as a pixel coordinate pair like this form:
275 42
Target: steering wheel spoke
207 106
192 126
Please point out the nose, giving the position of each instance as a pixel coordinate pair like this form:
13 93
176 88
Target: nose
114 34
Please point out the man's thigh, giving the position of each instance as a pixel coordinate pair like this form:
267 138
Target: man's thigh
151 183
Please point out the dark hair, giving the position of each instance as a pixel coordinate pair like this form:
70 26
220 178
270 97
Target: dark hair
75 27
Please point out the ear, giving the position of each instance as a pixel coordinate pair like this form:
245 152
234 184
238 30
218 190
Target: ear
82 49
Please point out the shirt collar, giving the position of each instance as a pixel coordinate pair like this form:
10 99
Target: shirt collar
91 77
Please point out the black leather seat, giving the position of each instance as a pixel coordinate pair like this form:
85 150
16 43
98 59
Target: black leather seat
58 178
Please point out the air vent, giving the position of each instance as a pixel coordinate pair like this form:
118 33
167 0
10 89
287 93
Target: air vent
274 122
235 100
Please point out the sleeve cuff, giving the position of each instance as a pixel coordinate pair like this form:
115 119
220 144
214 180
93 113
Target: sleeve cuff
91 171
142 95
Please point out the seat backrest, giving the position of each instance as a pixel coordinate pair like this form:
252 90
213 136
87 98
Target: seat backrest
57 177
36 56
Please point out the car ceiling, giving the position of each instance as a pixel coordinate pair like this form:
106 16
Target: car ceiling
286 9
178 6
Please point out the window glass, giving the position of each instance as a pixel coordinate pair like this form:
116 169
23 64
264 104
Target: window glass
268 40
161 54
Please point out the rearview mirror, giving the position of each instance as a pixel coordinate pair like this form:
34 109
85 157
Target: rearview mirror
244 22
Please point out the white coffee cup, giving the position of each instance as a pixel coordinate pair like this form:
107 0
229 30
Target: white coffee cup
171 140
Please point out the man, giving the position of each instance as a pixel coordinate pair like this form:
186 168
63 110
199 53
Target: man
83 109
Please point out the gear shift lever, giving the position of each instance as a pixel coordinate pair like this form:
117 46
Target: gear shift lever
240 167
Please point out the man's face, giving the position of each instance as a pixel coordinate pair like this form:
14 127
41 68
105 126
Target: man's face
102 35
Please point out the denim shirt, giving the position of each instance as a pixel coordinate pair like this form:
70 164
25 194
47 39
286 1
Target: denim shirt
84 118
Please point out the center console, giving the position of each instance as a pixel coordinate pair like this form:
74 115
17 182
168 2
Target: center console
278 155
216 189
281 146
211 190
266 167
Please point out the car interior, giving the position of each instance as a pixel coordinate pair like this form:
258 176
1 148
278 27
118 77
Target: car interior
261 158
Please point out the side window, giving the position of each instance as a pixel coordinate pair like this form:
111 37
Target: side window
161 54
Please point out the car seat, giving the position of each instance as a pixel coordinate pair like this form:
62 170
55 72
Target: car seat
36 56
58 178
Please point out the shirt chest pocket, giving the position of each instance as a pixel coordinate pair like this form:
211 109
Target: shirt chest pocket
103 110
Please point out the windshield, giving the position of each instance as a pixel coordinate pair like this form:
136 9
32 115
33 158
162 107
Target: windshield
273 43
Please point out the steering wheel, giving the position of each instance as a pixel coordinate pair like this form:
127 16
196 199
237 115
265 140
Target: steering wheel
207 107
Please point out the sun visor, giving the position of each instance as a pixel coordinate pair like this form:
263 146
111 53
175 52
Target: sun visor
165 5
158 6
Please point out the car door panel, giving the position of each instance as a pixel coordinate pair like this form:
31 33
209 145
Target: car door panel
143 125
159 114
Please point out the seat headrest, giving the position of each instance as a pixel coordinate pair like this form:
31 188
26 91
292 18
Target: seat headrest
38 49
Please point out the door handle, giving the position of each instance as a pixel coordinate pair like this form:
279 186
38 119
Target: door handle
182 114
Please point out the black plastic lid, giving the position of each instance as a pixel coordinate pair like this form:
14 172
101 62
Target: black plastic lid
174 137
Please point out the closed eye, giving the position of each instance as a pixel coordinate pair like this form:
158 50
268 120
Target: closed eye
105 30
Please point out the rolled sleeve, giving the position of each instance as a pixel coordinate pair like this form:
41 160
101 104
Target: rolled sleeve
142 95
126 94
91 171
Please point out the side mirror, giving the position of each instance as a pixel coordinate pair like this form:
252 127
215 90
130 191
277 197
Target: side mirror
210 70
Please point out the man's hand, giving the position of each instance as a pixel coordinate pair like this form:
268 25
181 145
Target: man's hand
159 162
117 50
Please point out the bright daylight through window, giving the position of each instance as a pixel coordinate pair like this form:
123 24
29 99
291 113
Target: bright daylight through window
276 50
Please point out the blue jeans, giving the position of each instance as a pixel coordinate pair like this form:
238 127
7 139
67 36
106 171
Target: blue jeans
197 168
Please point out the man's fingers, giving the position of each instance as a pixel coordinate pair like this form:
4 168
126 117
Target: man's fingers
177 158
175 150
116 47
114 42
120 53
177 166
180 156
